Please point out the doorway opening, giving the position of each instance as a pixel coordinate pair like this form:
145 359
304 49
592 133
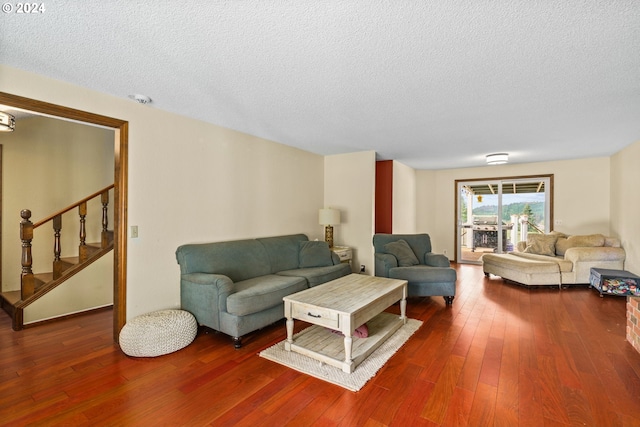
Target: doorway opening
120 128
495 214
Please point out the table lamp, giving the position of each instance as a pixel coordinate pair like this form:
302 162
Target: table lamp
329 218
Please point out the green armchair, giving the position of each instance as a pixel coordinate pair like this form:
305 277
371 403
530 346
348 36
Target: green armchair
409 257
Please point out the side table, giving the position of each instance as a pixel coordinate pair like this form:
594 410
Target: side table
344 252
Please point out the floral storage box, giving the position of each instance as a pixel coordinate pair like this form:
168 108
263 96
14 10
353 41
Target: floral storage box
614 282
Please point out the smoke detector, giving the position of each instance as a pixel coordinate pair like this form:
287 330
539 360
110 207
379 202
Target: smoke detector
140 99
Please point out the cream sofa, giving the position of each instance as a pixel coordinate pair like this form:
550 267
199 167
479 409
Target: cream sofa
556 259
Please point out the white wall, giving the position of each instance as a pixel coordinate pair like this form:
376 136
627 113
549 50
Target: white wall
581 192
426 203
349 185
625 203
90 288
404 199
191 181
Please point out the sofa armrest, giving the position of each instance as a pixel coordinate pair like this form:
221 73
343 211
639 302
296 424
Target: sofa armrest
584 259
436 260
335 258
600 253
205 296
384 262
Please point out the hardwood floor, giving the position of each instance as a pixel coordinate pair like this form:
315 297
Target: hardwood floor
502 355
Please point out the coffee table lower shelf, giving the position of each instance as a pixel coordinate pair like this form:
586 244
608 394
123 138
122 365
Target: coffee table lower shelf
328 347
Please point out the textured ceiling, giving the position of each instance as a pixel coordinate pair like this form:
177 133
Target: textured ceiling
433 84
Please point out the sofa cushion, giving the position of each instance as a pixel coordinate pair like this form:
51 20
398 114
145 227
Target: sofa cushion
239 259
319 275
423 274
587 241
564 265
579 241
612 242
282 251
403 252
261 293
314 254
525 263
541 244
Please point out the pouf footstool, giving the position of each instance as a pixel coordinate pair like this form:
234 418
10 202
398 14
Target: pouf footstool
157 333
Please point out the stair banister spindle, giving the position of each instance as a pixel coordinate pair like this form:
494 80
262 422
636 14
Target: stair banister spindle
104 198
57 248
58 265
82 211
27 281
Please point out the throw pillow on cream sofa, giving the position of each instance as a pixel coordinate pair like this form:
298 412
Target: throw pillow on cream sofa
541 244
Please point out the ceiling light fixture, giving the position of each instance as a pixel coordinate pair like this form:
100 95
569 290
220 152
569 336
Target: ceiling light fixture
7 122
140 99
497 158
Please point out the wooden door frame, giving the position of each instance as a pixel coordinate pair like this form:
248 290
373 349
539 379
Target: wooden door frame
121 152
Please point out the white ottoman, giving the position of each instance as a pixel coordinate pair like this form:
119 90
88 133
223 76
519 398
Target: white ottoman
157 333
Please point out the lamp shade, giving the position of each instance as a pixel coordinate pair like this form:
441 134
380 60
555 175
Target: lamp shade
329 217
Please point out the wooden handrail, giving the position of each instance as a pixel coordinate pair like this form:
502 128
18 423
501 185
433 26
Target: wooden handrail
68 208
534 226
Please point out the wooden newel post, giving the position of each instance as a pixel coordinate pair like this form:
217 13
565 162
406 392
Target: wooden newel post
27 281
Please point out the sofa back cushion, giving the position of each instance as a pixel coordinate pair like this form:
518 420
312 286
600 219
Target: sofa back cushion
419 243
612 242
579 241
314 254
238 260
283 251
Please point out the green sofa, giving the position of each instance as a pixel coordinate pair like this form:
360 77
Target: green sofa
236 287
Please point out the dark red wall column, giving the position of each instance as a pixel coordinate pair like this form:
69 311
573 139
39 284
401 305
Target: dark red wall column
384 196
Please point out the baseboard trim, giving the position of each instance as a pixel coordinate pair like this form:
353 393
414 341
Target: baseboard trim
67 316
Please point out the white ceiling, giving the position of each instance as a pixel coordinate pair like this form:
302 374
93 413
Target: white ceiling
433 84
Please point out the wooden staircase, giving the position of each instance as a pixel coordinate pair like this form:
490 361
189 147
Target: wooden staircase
34 286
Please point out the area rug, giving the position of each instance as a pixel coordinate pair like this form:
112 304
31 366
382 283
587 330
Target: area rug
363 372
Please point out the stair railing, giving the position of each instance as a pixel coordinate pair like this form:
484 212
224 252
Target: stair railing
535 227
27 280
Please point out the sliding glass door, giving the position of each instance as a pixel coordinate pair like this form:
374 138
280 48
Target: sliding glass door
494 215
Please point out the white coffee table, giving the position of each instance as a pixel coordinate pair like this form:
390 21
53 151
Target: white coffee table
343 305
